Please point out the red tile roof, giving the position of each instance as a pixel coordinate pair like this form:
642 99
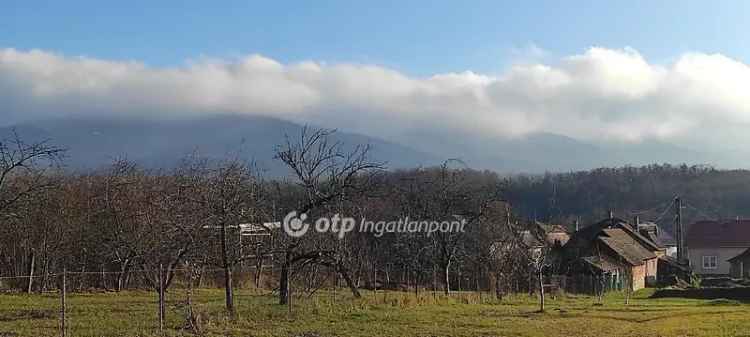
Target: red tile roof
714 234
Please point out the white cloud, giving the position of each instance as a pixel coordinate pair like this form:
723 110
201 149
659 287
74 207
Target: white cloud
600 94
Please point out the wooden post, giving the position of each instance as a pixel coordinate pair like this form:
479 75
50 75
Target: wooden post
289 289
31 272
62 303
434 283
161 297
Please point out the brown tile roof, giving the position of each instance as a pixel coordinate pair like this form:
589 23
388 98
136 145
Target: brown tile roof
627 247
590 233
714 234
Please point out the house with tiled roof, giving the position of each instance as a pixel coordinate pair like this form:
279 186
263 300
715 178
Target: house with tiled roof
614 248
711 244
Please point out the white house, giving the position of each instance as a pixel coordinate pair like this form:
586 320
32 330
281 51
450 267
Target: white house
710 245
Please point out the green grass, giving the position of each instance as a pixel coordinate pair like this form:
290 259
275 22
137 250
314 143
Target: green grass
381 314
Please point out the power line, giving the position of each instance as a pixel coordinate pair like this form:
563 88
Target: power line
665 211
640 212
701 212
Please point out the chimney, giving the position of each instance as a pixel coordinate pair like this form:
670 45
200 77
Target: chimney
576 223
637 221
611 215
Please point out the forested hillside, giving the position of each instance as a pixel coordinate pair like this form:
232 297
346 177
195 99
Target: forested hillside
646 191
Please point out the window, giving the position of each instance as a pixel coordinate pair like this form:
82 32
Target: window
710 262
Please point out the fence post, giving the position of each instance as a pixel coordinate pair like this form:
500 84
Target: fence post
161 298
62 303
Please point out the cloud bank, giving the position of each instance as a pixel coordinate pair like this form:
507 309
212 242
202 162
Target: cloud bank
602 94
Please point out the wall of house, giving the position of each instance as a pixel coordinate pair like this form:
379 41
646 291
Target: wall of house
639 277
651 272
737 269
740 268
695 255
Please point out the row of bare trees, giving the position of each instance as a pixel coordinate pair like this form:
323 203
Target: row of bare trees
133 222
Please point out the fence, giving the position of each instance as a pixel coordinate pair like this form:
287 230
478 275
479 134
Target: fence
585 283
163 297
150 301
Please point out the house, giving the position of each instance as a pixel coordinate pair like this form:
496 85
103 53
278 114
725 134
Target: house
659 236
556 235
614 248
711 244
739 266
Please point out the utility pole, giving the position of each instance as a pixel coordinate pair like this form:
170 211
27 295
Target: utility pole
678 229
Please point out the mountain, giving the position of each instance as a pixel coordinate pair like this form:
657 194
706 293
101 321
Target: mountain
543 152
93 143
162 143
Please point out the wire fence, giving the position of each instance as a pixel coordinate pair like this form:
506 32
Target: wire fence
158 300
51 303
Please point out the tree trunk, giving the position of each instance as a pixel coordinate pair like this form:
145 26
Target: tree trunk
349 282
227 271
284 283
228 289
498 291
416 284
121 276
258 268
541 290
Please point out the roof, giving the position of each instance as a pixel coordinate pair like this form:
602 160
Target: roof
249 229
719 234
742 255
530 240
656 234
626 246
551 228
602 263
674 263
590 233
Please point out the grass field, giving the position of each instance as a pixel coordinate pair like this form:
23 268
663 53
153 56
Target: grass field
381 314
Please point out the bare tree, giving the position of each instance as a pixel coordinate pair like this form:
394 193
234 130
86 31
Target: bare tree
230 194
326 172
24 172
538 252
30 159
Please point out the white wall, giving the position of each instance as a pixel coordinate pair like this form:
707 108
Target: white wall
696 259
672 251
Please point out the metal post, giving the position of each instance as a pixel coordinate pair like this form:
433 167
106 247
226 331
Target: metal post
62 304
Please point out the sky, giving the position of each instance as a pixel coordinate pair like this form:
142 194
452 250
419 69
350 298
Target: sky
415 37
620 71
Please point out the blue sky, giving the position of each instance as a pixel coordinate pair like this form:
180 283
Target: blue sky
415 37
